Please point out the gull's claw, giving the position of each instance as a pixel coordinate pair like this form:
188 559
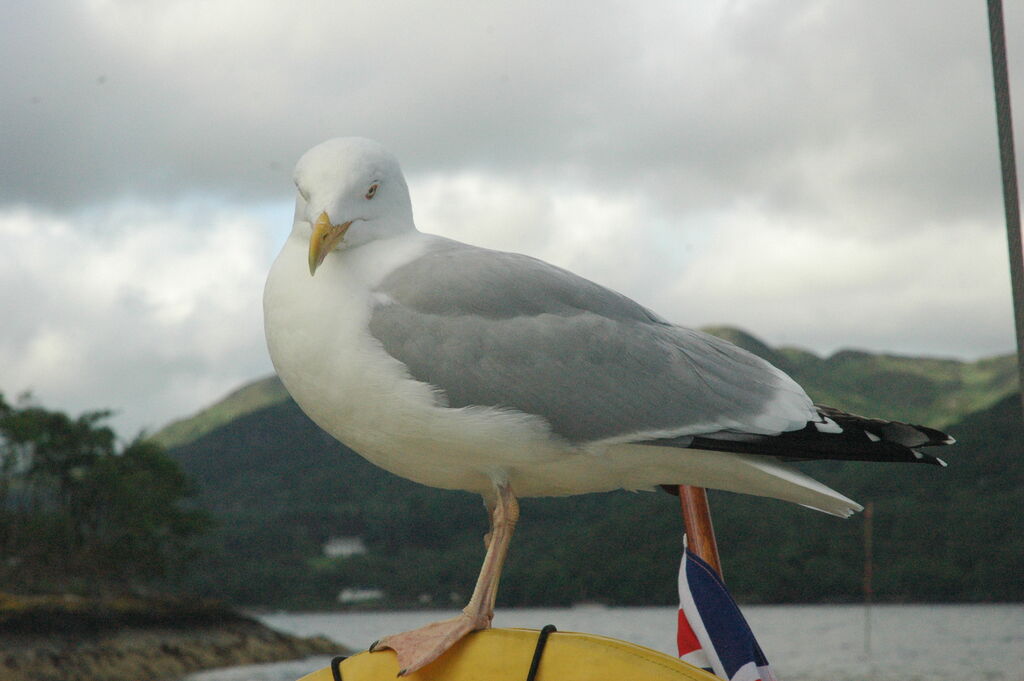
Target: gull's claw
418 648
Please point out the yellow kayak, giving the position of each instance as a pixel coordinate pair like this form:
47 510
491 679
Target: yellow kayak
500 654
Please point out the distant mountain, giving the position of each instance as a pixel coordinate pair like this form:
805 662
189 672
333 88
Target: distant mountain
245 400
926 390
935 392
281 488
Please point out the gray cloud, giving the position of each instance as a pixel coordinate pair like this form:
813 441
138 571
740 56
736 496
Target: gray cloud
823 173
119 311
804 105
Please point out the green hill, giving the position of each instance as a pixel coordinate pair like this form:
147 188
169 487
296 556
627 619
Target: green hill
936 392
247 399
281 488
930 391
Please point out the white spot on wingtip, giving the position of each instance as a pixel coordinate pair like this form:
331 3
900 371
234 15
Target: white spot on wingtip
942 463
872 437
827 425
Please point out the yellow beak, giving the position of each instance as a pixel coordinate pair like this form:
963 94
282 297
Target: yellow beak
325 237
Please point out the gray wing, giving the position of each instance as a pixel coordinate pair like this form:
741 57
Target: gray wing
504 330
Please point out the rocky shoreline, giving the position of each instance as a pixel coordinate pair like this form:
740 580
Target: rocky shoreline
140 641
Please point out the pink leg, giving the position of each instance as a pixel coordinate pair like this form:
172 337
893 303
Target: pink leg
420 647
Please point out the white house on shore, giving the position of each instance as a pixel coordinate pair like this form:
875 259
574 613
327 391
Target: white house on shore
344 547
359 595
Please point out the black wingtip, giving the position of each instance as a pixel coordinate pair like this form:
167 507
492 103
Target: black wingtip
922 457
838 435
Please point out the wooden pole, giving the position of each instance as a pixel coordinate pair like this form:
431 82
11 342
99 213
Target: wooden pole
700 533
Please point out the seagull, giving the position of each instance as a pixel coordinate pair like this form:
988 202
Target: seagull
466 368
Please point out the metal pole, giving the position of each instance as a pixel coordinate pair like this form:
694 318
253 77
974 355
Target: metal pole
869 570
1007 160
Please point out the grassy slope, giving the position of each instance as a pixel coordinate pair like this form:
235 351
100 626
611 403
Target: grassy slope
281 487
930 391
247 399
62 612
76 639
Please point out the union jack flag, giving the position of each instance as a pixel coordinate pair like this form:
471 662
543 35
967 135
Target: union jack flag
712 632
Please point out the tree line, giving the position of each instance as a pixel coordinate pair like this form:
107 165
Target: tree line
82 511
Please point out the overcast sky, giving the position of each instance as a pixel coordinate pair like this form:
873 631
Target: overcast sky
822 174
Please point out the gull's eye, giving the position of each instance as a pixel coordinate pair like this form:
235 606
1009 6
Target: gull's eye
372 191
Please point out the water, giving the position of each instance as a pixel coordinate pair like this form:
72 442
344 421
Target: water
803 643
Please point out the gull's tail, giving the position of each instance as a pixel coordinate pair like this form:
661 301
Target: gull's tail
757 475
